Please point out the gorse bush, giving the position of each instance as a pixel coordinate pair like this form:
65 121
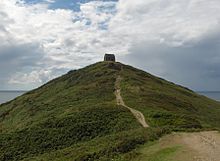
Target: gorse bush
58 133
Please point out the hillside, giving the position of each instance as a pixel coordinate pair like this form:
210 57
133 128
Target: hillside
76 116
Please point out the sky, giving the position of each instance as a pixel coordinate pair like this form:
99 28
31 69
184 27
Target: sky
178 40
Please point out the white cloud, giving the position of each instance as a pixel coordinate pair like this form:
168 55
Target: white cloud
32 77
50 1
65 39
174 22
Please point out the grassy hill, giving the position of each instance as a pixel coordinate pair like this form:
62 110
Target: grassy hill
75 117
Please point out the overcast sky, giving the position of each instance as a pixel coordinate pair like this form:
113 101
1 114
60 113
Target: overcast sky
178 40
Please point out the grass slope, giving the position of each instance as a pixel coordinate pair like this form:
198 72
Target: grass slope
165 104
75 117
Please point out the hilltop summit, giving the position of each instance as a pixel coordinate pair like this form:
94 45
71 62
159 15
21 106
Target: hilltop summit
109 57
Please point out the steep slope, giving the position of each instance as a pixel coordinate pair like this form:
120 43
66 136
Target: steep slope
76 116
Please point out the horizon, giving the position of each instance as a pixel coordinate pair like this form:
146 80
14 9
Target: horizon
34 88
23 90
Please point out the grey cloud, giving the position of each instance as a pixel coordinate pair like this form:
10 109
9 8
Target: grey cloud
20 55
18 58
5 20
196 66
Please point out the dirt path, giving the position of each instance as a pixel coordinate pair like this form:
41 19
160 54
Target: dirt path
205 145
138 115
197 146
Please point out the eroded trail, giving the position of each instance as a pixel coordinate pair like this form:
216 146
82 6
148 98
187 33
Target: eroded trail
138 115
195 146
205 144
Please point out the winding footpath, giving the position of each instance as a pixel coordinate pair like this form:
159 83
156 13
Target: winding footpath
200 146
138 115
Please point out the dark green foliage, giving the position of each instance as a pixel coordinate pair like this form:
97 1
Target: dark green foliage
58 133
123 142
174 120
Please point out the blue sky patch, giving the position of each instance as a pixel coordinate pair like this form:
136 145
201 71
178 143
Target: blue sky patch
65 4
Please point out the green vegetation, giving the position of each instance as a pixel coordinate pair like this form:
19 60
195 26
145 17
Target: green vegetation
75 117
162 155
154 151
165 104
